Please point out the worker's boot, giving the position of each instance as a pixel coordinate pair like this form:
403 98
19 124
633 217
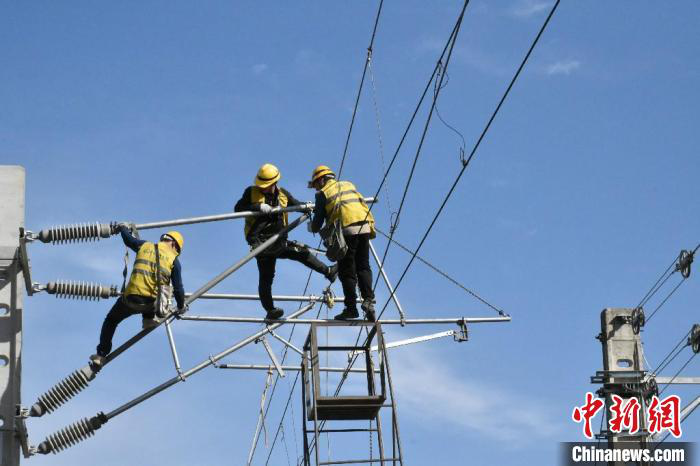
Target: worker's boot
347 314
368 306
274 314
148 323
332 273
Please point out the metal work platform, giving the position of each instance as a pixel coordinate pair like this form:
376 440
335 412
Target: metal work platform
320 409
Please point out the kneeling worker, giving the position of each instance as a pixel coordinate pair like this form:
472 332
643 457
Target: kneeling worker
141 292
339 200
263 196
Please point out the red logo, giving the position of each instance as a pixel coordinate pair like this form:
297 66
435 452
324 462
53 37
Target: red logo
587 412
624 414
665 415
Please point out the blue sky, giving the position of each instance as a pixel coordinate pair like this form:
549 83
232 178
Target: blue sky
581 194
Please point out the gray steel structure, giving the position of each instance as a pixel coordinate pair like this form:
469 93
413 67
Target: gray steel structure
379 395
12 182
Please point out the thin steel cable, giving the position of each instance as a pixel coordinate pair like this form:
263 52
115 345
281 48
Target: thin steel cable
284 439
359 91
444 274
438 87
473 151
664 300
664 362
342 163
274 440
284 357
463 146
379 129
294 423
466 164
655 287
677 373
400 145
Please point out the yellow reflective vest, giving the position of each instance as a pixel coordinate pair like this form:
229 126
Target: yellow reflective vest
345 203
143 277
258 197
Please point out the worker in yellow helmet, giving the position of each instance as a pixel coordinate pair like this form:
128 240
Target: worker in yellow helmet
340 201
140 294
264 196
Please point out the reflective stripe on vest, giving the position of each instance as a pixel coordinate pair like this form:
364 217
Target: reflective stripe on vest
163 272
345 203
143 277
258 197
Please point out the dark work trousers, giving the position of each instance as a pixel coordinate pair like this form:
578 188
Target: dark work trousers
120 311
266 266
353 270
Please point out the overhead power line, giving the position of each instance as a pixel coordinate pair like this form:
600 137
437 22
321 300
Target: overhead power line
474 149
342 163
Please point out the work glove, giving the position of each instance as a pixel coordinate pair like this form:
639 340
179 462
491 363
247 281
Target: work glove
265 208
181 310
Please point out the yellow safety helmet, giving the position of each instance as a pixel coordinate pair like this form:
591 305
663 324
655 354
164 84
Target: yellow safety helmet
319 172
177 237
267 176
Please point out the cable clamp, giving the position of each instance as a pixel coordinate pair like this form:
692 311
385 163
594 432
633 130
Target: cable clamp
694 338
637 319
213 361
685 258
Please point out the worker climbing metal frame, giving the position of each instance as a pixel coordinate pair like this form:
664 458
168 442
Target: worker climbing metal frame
83 290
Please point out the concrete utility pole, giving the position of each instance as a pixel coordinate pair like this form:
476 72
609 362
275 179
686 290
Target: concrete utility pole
11 284
623 373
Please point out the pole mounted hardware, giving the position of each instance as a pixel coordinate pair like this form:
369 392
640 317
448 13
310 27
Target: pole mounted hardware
462 334
694 338
637 319
685 259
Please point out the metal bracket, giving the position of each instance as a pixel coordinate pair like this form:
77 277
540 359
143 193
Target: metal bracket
24 261
21 431
273 358
29 236
287 343
463 333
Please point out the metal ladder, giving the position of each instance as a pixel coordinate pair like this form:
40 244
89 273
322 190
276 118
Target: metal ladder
319 410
